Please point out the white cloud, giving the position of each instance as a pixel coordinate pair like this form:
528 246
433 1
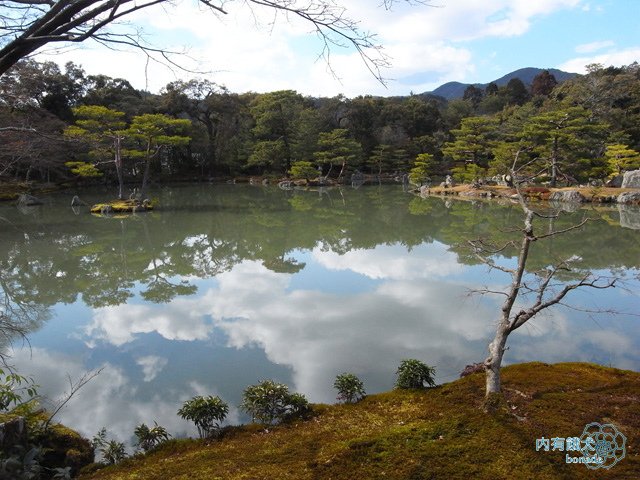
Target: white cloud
120 324
594 46
110 399
615 58
321 334
392 261
151 365
253 51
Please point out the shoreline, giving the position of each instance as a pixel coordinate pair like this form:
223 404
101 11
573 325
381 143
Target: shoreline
572 195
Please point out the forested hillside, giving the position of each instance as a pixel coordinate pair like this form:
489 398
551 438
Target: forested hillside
58 125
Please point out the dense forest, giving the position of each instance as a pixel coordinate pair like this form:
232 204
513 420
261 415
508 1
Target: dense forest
62 124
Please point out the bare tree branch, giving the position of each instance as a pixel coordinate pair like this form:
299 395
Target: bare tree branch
26 27
546 292
74 387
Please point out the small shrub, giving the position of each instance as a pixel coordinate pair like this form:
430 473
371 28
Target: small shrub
304 170
112 451
350 388
206 413
269 402
150 437
413 373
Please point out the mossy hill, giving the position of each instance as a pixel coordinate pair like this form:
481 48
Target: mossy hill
437 433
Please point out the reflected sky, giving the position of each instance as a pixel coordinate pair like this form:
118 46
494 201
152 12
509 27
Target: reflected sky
300 313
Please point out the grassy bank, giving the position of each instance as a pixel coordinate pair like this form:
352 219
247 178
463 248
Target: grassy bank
439 433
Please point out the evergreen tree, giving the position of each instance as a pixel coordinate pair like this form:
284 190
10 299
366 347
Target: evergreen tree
543 83
154 133
105 130
337 148
471 150
567 140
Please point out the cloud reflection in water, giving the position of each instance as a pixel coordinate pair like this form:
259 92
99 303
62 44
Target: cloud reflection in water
418 307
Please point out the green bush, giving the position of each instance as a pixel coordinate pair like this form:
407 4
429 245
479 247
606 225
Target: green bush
423 168
206 413
269 402
350 388
13 390
413 373
150 437
304 170
112 451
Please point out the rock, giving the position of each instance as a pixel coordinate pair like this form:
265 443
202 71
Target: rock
571 196
629 198
631 179
569 207
449 181
76 202
629 217
424 190
615 182
13 432
25 200
265 181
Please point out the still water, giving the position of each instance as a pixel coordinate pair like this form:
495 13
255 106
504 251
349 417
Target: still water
228 285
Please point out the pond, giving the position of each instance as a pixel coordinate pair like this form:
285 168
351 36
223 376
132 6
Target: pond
227 285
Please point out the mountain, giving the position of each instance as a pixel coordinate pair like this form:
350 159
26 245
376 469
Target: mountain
453 90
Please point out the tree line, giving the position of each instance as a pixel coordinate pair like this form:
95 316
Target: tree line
58 124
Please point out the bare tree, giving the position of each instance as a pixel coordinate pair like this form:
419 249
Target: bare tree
18 316
529 293
25 27
74 387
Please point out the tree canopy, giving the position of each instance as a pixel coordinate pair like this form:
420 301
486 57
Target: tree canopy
575 133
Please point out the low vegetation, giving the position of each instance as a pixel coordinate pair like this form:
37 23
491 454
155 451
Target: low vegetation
440 432
206 413
270 402
413 373
350 388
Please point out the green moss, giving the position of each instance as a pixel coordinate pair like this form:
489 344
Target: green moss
442 432
121 206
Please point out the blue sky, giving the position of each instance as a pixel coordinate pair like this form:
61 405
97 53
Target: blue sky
454 40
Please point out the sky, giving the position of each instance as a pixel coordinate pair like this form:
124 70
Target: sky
470 41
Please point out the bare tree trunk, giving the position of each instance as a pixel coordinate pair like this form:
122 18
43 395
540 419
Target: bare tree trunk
147 169
118 162
329 172
493 362
145 178
497 346
554 163
341 170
